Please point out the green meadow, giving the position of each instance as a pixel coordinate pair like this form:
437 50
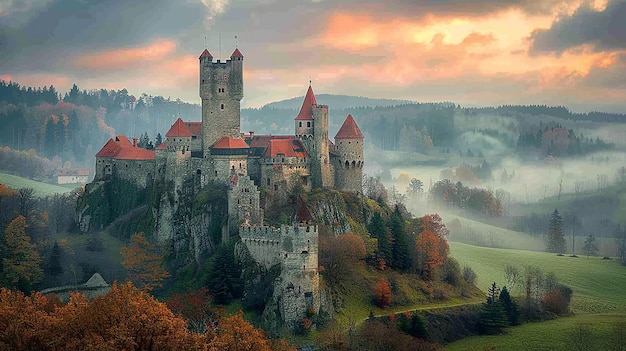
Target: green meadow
41 189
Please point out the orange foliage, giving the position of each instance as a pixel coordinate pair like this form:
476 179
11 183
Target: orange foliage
432 245
143 263
196 308
382 291
339 255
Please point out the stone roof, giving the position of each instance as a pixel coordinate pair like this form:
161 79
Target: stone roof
349 130
178 129
96 280
306 111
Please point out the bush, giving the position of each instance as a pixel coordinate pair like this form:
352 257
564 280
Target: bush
451 272
382 293
557 301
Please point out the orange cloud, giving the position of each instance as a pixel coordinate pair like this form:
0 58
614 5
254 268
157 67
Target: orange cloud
60 82
126 57
6 77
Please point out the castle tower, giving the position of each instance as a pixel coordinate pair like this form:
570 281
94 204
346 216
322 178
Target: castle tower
221 91
311 126
349 166
177 152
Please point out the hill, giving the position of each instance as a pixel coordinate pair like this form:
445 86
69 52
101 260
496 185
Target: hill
337 102
598 284
41 189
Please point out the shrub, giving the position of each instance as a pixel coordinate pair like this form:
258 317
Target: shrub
469 275
557 300
382 292
451 272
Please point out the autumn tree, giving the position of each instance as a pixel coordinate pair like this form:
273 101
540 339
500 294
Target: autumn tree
382 293
340 256
20 259
23 320
196 308
590 248
432 245
556 238
143 263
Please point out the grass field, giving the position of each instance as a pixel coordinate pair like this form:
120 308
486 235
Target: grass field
579 332
598 284
41 189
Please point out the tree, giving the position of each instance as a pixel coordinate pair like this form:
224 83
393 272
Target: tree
378 230
55 260
382 293
511 275
510 307
590 248
401 244
158 140
432 245
196 308
20 259
492 317
225 283
415 188
556 239
143 263
340 255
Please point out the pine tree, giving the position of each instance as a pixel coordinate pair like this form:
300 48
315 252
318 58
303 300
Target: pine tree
492 316
378 230
556 238
401 243
55 260
158 140
510 307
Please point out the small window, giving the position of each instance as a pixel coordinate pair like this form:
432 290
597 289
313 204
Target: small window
308 124
275 187
268 181
299 124
222 106
250 201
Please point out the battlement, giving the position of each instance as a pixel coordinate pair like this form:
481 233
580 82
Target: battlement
272 233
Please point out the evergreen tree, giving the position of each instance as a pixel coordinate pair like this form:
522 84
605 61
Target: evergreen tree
225 282
492 316
401 243
510 307
55 260
378 230
556 238
158 140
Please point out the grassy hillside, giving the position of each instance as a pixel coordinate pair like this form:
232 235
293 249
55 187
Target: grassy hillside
598 333
41 189
598 284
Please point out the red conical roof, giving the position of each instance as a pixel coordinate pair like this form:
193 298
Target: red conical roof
227 142
206 53
302 211
306 111
349 130
236 53
178 130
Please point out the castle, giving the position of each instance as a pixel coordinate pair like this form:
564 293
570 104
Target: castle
215 151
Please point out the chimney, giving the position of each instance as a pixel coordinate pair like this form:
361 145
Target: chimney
251 134
134 142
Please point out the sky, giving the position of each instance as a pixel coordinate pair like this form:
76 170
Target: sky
474 53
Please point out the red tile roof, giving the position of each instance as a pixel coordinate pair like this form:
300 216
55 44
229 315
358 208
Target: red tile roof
349 130
230 143
236 53
121 149
194 127
162 146
109 149
206 53
306 111
287 147
178 129
263 141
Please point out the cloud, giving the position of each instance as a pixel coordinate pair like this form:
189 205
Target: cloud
214 7
608 74
602 29
125 58
6 77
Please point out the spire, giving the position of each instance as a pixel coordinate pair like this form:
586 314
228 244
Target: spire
206 54
178 129
306 111
349 130
236 53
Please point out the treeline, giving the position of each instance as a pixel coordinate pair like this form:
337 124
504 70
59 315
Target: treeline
76 125
26 163
558 141
554 111
458 196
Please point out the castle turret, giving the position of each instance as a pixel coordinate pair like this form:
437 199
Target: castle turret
178 152
349 166
312 129
221 90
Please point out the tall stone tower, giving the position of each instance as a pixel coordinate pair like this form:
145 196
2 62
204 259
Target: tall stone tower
312 128
349 166
221 91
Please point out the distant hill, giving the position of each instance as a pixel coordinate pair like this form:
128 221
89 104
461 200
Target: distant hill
339 102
